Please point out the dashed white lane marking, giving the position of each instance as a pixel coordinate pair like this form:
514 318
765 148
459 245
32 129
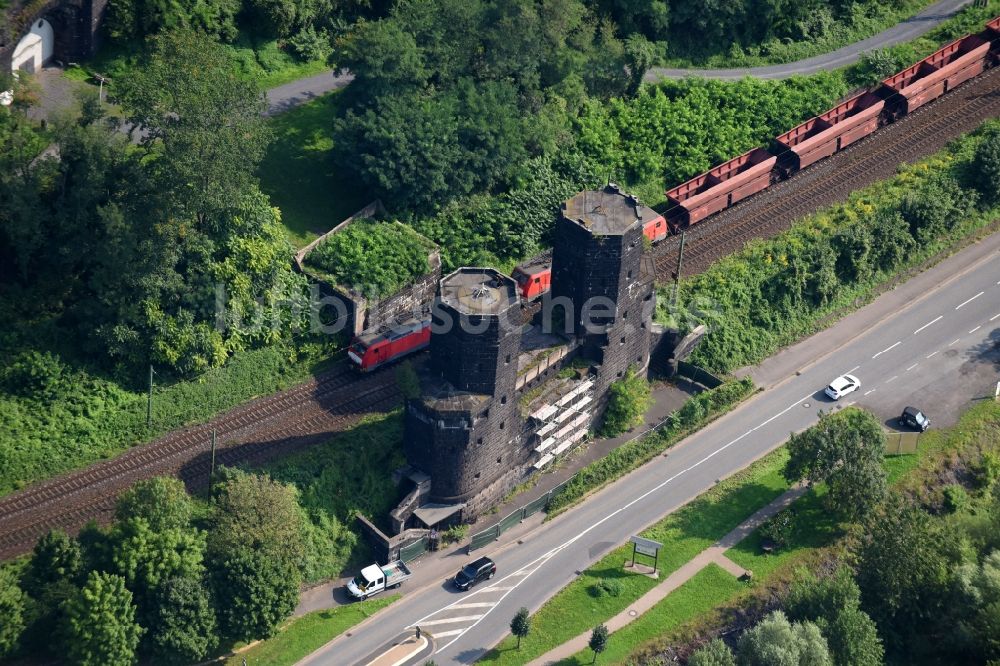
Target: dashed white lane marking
994 317
887 349
954 342
975 329
970 300
852 369
892 379
867 392
928 324
537 564
912 366
932 353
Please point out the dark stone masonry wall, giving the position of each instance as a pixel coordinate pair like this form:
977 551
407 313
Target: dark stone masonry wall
76 25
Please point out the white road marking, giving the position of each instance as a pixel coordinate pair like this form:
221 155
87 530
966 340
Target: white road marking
867 392
954 342
975 329
970 300
485 604
912 366
447 620
547 556
494 588
994 317
852 369
928 324
932 353
450 632
887 349
892 379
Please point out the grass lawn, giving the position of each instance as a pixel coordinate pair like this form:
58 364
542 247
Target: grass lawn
577 608
299 173
708 588
303 635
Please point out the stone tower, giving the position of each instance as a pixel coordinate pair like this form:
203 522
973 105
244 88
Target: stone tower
598 266
464 429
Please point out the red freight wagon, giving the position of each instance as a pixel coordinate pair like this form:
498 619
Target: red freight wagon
655 228
938 73
721 187
375 350
824 135
533 279
994 25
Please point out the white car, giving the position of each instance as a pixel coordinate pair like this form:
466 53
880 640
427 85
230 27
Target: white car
842 385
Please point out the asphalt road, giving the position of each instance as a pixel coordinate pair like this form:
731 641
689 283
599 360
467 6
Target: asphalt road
909 29
934 343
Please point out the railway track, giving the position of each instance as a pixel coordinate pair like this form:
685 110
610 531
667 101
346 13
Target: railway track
316 410
250 434
915 136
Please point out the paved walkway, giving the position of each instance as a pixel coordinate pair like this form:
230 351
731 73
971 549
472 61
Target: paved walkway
909 29
716 553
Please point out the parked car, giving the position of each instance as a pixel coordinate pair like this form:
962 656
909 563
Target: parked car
374 579
914 418
482 569
842 385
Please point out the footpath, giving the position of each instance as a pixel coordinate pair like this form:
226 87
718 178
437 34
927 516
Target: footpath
716 553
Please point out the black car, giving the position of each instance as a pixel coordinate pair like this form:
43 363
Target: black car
482 569
915 419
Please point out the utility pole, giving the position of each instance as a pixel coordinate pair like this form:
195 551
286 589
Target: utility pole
211 475
149 399
680 266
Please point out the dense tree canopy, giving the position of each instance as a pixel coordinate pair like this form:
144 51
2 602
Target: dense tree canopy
845 450
163 502
775 641
100 623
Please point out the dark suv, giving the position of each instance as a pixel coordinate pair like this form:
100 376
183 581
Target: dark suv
482 569
915 419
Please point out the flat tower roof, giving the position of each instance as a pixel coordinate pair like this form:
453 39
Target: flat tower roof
478 291
605 212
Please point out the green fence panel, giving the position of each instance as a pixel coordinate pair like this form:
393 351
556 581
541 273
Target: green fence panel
413 550
531 508
510 520
483 538
698 375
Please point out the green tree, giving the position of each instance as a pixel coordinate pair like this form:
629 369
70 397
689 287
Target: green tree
56 557
846 451
520 625
147 558
255 591
903 576
978 588
774 641
598 640
985 168
833 603
183 629
200 121
713 653
11 611
100 623
163 502
629 399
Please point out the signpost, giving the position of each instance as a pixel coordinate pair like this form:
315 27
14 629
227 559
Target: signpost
646 547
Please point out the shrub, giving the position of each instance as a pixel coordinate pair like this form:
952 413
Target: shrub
778 529
630 397
607 587
34 374
454 534
987 470
954 498
311 44
375 258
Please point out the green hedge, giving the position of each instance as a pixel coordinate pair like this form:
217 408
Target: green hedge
696 412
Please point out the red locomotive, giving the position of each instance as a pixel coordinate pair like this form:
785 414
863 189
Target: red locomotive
372 351
533 279
830 132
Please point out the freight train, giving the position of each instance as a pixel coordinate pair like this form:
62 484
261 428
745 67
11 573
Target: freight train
830 132
750 173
